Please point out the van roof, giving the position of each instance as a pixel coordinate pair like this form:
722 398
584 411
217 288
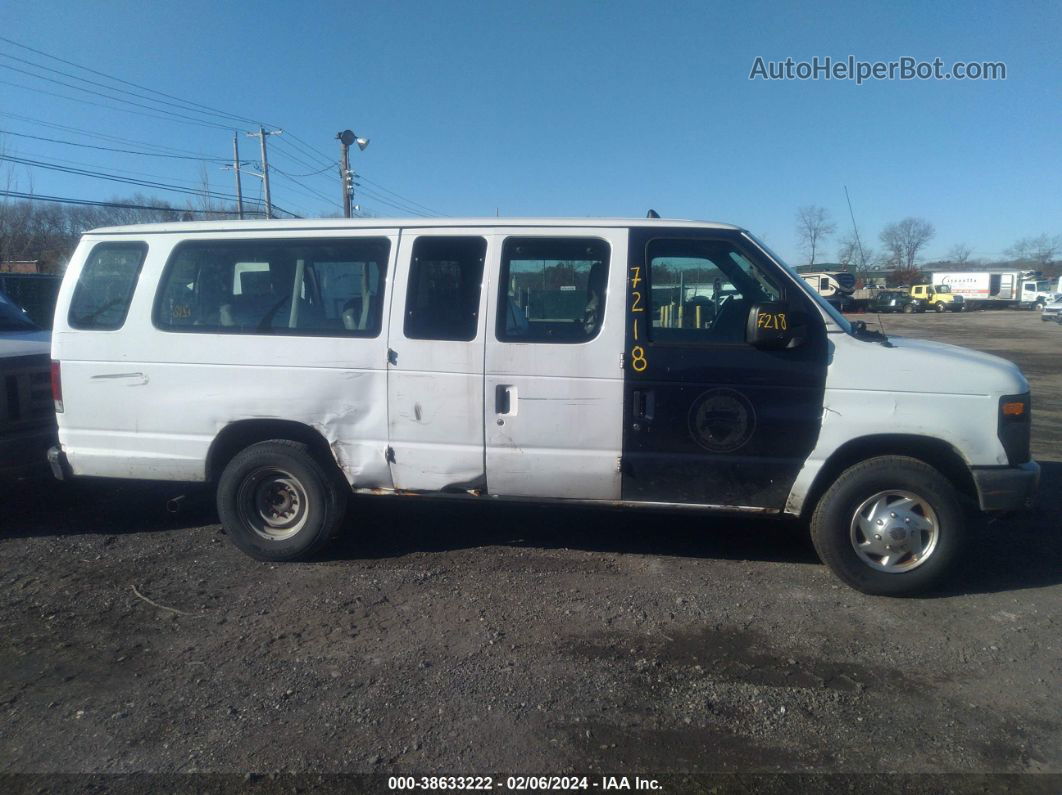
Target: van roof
305 224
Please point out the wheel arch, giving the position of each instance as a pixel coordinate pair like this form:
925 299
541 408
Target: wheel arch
937 453
241 434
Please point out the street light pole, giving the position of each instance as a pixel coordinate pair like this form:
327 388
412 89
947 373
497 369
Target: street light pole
346 176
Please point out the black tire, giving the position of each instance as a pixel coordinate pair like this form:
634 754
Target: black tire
835 531
305 499
940 306
908 309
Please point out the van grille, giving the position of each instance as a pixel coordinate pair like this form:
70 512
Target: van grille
26 398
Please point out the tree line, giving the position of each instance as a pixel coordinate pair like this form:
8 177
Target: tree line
903 244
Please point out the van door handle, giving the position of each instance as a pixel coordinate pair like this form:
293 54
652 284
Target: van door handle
644 404
502 399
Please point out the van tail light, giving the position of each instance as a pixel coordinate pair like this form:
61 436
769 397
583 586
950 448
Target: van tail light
57 387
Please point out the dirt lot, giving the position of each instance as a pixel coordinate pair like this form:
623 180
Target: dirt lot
487 639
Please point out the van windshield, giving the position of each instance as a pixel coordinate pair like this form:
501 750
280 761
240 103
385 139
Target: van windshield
12 318
827 307
942 288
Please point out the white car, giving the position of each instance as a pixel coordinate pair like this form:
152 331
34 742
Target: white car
27 418
1053 310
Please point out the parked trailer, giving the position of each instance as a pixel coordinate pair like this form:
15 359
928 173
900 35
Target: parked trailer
835 286
998 288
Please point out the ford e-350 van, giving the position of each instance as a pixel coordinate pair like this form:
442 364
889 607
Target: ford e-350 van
640 363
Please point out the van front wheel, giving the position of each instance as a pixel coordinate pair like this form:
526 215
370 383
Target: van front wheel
889 526
277 502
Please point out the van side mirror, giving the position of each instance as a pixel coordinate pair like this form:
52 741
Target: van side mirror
770 326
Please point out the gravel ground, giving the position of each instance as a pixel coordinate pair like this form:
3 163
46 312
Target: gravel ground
490 639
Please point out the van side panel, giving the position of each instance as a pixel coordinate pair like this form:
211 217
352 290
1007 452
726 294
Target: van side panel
146 403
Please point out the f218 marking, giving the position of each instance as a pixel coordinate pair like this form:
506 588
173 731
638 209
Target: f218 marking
771 320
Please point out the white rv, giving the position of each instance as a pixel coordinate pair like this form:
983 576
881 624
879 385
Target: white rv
639 363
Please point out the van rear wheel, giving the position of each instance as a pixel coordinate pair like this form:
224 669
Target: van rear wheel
278 502
889 526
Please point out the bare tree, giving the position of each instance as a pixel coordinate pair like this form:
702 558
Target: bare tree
1040 251
856 257
960 253
814 225
904 239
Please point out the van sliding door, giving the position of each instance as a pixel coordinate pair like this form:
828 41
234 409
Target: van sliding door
553 386
435 355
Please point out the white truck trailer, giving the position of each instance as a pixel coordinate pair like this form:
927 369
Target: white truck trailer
1023 289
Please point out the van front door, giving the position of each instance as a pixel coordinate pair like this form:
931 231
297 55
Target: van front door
435 362
553 387
709 419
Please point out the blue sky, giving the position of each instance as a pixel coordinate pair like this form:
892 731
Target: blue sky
573 108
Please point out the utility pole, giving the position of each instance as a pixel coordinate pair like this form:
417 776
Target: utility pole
262 133
236 170
346 176
346 179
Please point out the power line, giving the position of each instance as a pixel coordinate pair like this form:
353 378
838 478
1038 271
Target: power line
121 205
35 90
101 136
112 149
91 83
399 195
311 174
127 180
129 83
176 116
114 169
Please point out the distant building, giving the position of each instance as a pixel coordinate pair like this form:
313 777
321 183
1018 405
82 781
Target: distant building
21 266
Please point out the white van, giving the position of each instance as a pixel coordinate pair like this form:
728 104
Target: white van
645 362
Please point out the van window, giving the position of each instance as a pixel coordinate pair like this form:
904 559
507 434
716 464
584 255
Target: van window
445 276
246 287
105 286
702 290
552 289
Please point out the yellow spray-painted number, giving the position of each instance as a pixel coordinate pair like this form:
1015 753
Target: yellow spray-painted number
638 360
772 320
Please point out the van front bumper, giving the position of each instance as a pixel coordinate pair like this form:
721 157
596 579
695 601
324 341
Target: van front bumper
1006 488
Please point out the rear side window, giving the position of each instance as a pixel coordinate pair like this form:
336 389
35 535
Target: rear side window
552 289
445 277
292 287
105 287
